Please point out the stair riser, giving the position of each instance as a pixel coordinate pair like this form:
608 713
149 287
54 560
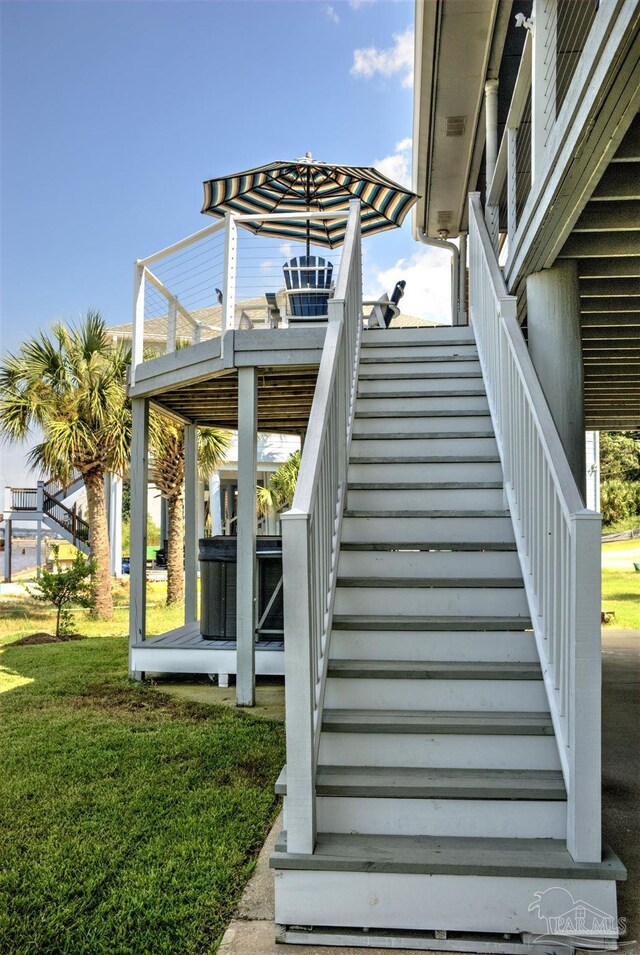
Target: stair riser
439 750
417 529
447 499
424 385
427 902
391 471
432 601
385 448
501 818
436 646
456 403
406 336
404 425
428 564
517 696
413 352
422 369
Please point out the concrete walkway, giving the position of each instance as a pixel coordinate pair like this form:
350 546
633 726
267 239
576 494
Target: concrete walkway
252 930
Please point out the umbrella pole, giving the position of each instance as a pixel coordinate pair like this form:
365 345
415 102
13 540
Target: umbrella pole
308 209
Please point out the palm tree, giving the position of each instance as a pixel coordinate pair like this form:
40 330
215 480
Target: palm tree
167 473
70 385
277 496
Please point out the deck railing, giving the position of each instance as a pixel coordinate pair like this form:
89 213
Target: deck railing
558 540
311 535
24 498
216 281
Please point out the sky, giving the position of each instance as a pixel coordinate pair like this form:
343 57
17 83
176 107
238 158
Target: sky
113 112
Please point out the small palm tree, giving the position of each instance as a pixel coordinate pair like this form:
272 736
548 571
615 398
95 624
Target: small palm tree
277 496
70 385
167 473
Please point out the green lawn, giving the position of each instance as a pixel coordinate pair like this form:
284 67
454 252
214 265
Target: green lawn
130 821
22 615
621 583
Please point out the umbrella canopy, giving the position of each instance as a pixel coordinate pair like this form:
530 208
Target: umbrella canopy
307 185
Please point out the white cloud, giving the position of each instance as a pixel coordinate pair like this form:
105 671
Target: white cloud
397 166
396 59
331 13
357 4
427 273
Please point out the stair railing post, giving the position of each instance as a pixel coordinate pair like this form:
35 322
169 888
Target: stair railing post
230 263
299 690
584 840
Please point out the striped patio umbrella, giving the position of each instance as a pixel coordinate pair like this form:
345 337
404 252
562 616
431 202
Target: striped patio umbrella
308 185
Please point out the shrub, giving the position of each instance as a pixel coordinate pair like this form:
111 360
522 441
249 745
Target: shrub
65 587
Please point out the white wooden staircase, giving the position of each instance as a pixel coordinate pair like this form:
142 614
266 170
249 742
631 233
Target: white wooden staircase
433 800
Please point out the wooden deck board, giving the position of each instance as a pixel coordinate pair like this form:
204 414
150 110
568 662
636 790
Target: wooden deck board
188 637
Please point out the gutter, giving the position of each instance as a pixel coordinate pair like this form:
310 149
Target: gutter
452 248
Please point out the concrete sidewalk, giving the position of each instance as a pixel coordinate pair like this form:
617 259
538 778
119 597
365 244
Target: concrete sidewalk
252 930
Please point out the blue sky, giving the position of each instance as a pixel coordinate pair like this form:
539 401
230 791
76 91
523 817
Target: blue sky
113 113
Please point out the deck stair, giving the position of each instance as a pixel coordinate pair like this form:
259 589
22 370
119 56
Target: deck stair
439 794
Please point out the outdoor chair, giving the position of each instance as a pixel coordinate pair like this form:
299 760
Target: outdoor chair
308 287
385 309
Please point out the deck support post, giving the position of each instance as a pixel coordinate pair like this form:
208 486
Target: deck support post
114 504
215 512
555 346
138 555
191 489
491 154
247 530
462 318
8 534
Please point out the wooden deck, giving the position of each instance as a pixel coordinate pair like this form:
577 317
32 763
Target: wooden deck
173 652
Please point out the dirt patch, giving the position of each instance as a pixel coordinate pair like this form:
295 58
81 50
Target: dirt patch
35 639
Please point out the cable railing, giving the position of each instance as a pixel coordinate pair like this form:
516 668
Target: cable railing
542 103
226 278
311 535
558 540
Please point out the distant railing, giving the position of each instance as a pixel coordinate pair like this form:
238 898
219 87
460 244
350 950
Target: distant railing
24 499
311 535
67 518
557 37
558 540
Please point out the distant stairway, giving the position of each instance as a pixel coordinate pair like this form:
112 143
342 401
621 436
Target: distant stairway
440 802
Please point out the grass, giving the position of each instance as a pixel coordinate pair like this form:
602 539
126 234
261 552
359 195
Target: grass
130 821
621 583
22 615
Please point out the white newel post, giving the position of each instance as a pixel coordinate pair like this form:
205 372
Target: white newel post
230 261
298 684
172 325
247 531
115 524
137 344
138 555
462 317
584 704
191 487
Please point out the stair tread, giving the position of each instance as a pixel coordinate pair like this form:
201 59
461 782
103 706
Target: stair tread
424 485
449 670
399 375
448 393
412 359
420 435
411 622
435 413
393 782
431 459
460 546
450 722
373 583
454 855
458 512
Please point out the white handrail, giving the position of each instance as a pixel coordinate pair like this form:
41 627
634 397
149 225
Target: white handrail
310 539
558 539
